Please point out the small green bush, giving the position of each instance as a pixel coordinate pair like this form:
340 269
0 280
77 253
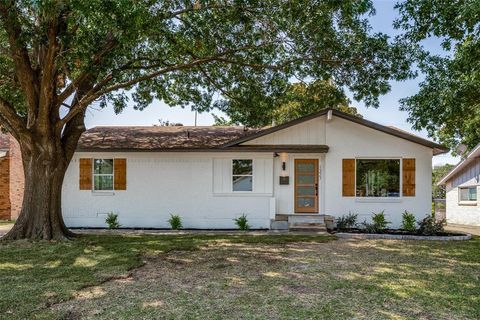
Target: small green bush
430 227
112 221
242 223
175 221
378 225
408 222
347 222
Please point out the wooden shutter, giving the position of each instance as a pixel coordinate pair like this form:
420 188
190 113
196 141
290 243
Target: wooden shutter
408 168
120 174
85 174
348 177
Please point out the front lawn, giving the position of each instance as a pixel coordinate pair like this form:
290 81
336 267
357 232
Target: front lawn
248 277
35 276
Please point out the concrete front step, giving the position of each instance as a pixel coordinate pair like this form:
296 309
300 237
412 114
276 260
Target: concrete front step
306 219
308 229
278 225
300 222
306 225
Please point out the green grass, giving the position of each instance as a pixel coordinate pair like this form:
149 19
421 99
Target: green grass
239 277
37 275
6 222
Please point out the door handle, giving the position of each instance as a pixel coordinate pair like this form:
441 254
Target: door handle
316 189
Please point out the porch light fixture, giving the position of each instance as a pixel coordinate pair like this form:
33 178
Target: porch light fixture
283 160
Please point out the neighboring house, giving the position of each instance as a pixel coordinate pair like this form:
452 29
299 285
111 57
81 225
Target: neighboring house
462 185
329 163
11 178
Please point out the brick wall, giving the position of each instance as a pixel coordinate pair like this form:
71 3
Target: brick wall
17 179
4 188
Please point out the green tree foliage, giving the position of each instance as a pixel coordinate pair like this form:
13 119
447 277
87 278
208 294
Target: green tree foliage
59 57
298 100
438 192
448 102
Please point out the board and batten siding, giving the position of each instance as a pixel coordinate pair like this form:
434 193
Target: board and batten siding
308 132
466 214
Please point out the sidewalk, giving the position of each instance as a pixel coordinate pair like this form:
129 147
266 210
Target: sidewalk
5 228
462 228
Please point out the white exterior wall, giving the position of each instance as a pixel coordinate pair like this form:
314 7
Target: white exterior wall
197 186
347 139
461 212
160 184
351 140
308 132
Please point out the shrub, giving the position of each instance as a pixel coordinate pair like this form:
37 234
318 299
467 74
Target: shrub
380 223
112 221
429 226
242 222
175 221
346 222
408 222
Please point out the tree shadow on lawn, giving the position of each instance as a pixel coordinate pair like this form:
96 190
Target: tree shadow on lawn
335 280
36 275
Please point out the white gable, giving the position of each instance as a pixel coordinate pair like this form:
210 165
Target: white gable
308 132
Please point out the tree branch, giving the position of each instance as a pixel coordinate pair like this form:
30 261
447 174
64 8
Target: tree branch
98 90
18 50
12 119
49 71
109 45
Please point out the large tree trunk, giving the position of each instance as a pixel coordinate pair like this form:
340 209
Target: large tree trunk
41 214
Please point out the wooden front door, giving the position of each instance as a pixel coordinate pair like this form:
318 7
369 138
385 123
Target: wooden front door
306 185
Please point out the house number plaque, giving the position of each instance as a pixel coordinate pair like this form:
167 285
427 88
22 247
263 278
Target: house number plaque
285 180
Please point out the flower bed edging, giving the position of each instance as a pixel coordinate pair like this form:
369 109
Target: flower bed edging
345 235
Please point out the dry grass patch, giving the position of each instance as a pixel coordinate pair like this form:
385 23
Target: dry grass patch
36 276
335 280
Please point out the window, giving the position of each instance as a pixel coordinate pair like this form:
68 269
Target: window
468 194
103 174
242 175
378 177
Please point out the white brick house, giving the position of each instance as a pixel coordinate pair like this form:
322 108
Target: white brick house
329 163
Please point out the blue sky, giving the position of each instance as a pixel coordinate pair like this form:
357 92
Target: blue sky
388 113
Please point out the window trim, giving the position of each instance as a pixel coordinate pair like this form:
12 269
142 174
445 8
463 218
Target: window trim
381 199
467 202
103 174
242 175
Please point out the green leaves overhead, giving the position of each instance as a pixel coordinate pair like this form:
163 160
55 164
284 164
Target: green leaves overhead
298 100
448 102
204 54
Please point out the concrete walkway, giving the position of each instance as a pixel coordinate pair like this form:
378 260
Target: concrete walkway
462 228
4 228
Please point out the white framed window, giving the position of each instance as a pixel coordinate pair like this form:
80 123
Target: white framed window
242 175
377 178
467 194
103 175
